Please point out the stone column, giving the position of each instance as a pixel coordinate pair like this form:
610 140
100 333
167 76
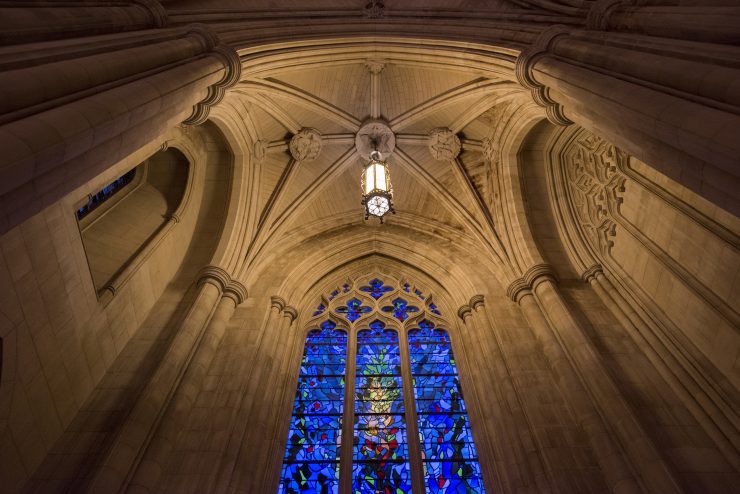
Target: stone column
626 455
669 103
511 469
42 20
149 472
708 409
233 470
704 23
67 118
522 437
280 391
133 437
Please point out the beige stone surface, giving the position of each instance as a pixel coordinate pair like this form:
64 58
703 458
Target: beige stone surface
565 178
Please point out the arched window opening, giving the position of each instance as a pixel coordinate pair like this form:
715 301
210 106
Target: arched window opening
448 452
380 460
311 460
383 371
117 222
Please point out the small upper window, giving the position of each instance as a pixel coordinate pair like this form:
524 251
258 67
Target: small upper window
106 193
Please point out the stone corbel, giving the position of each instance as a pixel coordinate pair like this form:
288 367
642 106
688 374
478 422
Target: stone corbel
291 313
232 72
524 69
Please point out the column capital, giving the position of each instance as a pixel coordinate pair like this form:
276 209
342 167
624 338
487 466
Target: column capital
156 11
524 70
529 280
477 301
598 15
592 273
232 71
214 275
290 312
277 303
236 291
464 311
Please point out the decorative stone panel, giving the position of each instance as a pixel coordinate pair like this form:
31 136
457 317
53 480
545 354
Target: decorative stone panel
595 185
306 145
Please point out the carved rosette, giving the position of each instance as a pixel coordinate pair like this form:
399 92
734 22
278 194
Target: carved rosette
306 145
595 184
444 145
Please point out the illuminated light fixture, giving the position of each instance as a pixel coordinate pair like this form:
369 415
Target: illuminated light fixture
377 192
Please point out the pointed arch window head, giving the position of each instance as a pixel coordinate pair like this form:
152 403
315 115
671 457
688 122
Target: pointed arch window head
376 288
400 309
353 310
402 412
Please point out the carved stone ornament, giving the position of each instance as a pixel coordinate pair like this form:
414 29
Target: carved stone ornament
374 9
378 132
259 151
490 151
595 184
306 145
444 144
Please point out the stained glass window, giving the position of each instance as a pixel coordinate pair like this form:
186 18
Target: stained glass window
400 309
380 453
353 310
448 453
311 460
376 289
105 194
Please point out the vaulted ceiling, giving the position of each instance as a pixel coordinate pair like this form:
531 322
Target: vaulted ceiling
330 89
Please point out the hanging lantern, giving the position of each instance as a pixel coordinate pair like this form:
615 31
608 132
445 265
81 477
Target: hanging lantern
377 193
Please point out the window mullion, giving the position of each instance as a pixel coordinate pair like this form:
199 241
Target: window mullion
412 423
346 452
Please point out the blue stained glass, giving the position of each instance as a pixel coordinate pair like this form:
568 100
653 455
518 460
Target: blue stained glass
433 309
448 453
333 294
311 459
380 450
345 288
106 193
400 309
419 294
376 289
407 288
353 310
319 310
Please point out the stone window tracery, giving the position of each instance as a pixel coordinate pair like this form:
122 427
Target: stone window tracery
384 376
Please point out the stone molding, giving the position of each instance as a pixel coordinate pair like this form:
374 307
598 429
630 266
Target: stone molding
600 13
229 287
232 72
306 145
464 311
524 70
259 151
291 313
277 303
156 10
529 281
477 301
592 273
443 144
